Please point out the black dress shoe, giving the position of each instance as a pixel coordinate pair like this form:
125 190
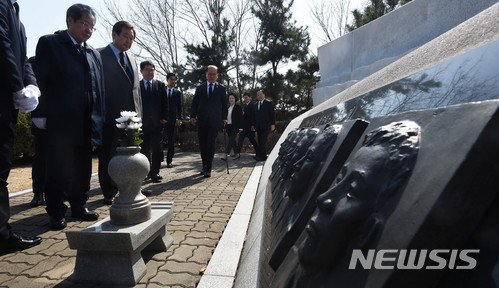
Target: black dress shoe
207 175
156 178
85 215
57 224
146 192
203 172
169 165
37 200
108 200
17 242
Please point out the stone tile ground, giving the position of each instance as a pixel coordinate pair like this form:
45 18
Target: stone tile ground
202 208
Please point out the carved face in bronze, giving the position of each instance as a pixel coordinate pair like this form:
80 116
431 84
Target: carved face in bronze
377 171
344 208
305 167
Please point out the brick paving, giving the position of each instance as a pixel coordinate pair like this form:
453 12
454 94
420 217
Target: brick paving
202 208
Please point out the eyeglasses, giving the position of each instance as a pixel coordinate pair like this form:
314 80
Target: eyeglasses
88 26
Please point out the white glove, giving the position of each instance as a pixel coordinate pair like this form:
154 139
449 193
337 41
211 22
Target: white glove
40 122
27 98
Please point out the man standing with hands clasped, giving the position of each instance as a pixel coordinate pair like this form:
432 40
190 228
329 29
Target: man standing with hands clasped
155 108
121 78
175 116
263 123
209 111
17 91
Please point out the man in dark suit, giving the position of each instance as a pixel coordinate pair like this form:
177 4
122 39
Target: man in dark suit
263 123
154 105
71 111
15 75
175 115
209 110
122 94
246 126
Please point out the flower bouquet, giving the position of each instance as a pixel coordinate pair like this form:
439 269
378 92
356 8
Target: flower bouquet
131 127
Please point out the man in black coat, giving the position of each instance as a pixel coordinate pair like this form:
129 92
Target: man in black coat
246 131
175 115
71 111
209 111
15 75
121 77
263 123
154 108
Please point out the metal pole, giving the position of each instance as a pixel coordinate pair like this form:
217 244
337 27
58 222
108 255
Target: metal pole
225 148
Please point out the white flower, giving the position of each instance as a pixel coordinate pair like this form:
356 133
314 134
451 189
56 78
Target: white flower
122 119
128 114
134 125
121 125
136 119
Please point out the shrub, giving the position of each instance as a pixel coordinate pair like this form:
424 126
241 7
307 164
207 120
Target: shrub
24 142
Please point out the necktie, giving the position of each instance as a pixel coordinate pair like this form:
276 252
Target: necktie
211 90
259 103
16 7
78 47
122 60
169 93
148 87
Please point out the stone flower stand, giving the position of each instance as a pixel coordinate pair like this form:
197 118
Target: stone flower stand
109 252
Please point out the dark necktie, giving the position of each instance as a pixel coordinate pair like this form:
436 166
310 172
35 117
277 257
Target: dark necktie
16 7
211 91
122 60
148 87
169 93
259 103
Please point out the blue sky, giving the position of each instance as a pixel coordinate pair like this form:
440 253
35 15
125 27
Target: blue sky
41 17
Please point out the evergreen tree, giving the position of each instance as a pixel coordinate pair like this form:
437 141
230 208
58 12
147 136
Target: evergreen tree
374 10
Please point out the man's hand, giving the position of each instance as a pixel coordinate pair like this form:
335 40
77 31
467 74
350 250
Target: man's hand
272 127
40 122
179 122
252 128
193 121
225 122
163 121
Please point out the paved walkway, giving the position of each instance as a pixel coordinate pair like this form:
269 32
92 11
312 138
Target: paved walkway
202 208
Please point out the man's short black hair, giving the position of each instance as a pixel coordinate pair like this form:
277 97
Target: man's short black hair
146 63
170 75
76 12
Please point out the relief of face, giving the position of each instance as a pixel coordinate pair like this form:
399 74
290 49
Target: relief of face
301 147
343 209
311 162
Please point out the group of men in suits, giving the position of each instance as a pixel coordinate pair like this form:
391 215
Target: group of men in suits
162 105
209 112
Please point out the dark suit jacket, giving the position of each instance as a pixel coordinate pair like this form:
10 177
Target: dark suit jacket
61 72
209 111
154 105
237 117
15 70
121 92
174 107
263 118
247 116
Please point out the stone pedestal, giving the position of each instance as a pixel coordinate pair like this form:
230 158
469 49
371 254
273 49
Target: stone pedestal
111 255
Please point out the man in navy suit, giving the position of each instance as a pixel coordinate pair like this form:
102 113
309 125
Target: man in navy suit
154 106
15 75
209 111
121 78
263 123
246 131
71 112
175 115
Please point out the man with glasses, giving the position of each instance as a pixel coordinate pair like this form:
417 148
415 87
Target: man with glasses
122 94
70 113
